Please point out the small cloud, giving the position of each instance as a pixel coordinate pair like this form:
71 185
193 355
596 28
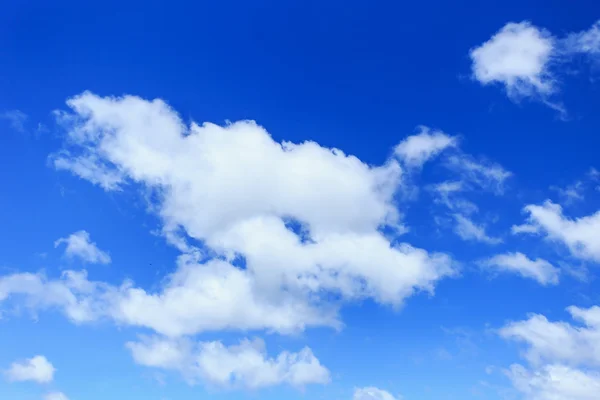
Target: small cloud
517 57
37 369
539 269
16 118
415 150
79 245
468 230
523 58
571 193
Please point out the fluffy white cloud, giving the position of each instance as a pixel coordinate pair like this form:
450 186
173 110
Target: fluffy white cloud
56 396
559 342
73 294
244 365
80 245
304 219
468 230
523 58
579 235
372 393
564 357
415 150
37 369
538 269
517 57
555 382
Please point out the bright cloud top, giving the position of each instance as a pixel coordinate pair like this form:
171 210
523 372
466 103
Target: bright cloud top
79 245
37 369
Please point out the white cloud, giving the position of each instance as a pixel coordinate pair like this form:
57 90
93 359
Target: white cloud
372 393
517 57
538 269
37 369
580 235
524 59
56 396
468 230
587 42
415 150
16 118
89 168
564 357
79 299
555 382
559 342
79 245
239 192
245 365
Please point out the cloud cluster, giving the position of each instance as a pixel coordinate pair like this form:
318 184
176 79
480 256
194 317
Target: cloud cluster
564 358
417 149
273 236
517 57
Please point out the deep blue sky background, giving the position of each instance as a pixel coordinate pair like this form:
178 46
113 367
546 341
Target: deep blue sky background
356 75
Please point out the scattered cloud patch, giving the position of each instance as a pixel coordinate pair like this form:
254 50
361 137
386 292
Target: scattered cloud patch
555 382
416 150
585 42
16 119
559 342
483 174
37 369
564 357
244 366
468 230
571 193
579 235
518 263
79 245
516 57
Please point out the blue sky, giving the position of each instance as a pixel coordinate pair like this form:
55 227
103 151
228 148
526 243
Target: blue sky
330 200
